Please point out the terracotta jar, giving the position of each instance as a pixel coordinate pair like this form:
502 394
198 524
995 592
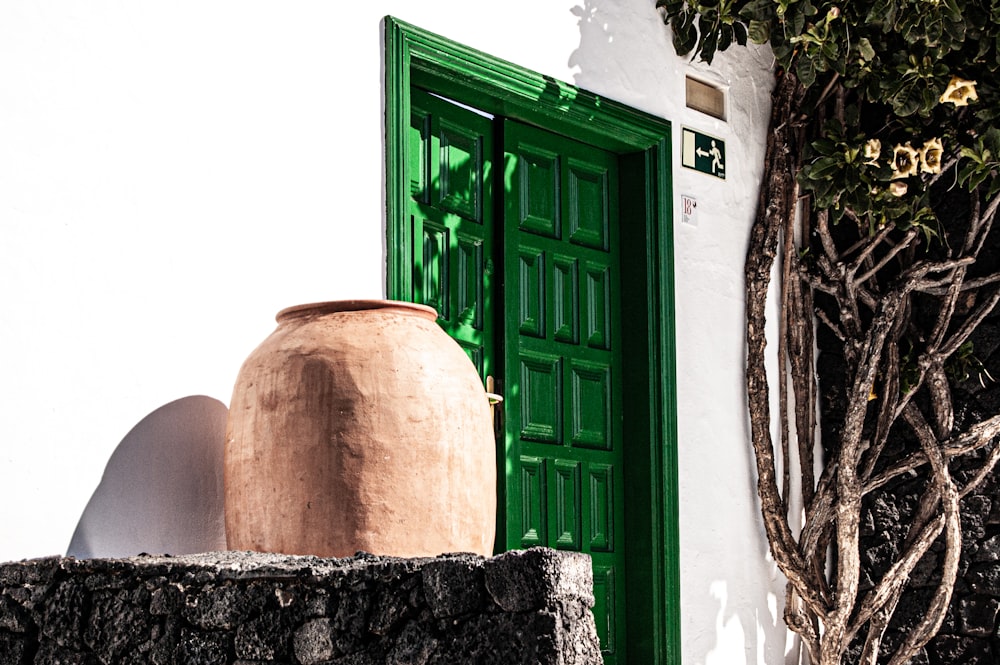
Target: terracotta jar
360 425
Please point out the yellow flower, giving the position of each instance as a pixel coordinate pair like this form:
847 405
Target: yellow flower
904 161
959 92
930 156
873 149
897 188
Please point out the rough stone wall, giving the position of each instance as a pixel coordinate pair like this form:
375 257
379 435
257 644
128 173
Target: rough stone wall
530 606
970 634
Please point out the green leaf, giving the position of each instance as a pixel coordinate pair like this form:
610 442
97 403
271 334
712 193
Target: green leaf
977 178
725 37
823 168
797 20
824 146
685 36
758 10
907 99
865 49
760 32
991 139
806 71
740 33
709 39
831 57
966 173
972 154
952 12
878 11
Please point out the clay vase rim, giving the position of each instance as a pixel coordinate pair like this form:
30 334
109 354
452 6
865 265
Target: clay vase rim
335 306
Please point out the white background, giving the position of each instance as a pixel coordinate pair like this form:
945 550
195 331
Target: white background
174 173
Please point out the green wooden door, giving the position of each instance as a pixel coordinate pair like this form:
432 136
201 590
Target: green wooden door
522 266
563 359
450 153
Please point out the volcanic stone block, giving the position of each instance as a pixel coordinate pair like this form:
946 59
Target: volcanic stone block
247 608
977 615
453 586
965 650
510 577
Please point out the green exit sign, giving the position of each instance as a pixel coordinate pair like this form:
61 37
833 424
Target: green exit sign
704 153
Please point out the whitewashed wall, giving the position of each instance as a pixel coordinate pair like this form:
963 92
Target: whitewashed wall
173 173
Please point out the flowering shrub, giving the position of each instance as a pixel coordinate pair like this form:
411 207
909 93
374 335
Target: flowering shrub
910 68
885 122
959 92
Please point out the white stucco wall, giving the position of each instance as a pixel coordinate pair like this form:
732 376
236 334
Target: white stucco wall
172 174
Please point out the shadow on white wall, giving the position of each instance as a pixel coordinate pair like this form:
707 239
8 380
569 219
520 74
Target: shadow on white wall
732 593
162 488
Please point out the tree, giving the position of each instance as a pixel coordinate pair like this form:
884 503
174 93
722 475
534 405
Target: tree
878 203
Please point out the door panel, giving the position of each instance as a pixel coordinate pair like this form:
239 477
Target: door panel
450 152
547 327
563 343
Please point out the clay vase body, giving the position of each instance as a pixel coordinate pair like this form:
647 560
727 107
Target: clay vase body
360 426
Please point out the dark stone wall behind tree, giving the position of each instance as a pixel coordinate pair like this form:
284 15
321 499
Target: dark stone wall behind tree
530 606
970 634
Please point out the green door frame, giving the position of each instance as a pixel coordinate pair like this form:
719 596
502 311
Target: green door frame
417 57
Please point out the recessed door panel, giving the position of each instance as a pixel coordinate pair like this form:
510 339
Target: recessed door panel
450 157
560 238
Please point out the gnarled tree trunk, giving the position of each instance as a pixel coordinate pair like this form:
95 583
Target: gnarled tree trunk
903 306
